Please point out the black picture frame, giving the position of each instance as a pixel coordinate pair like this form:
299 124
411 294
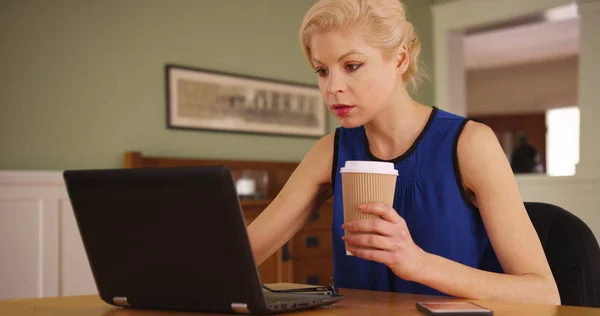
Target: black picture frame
210 100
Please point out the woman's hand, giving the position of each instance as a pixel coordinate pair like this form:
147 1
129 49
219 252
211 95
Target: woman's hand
389 236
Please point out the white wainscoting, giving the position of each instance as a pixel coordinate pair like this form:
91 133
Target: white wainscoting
41 253
579 195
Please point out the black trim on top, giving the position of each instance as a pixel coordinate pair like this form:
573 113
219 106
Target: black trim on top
412 148
461 187
335 158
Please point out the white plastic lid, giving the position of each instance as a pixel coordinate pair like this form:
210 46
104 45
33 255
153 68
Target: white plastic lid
379 167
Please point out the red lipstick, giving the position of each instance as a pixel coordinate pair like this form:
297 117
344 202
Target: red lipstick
342 110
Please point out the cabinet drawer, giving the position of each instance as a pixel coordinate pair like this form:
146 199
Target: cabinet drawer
311 243
317 270
322 218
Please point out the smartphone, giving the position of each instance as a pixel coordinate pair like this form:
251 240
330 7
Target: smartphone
453 308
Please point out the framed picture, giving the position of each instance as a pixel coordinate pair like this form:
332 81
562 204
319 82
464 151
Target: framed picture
209 100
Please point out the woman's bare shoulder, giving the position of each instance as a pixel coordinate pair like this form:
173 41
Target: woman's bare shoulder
319 159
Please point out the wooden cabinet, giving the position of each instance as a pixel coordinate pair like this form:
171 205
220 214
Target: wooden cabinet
307 257
313 270
312 256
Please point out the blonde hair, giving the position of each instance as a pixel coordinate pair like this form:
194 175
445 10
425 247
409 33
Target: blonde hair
383 21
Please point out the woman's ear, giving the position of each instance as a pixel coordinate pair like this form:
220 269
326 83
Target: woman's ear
402 59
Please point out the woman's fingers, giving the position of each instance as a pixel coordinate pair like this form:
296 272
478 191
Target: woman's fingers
371 225
383 210
369 240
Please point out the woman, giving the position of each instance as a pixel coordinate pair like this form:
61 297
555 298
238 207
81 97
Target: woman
458 225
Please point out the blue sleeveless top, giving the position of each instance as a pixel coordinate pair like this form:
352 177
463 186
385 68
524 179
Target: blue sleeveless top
429 196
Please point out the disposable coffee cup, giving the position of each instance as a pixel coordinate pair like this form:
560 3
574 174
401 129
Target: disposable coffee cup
365 182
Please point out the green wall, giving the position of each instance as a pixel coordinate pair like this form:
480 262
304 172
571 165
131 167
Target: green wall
81 82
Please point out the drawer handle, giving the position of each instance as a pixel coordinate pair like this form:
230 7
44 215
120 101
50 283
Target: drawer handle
312 280
315 216
285 253
312 241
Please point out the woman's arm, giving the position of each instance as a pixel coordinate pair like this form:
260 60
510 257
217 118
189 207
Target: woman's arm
485 171
305 191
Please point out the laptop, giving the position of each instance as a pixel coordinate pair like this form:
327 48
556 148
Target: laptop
172 239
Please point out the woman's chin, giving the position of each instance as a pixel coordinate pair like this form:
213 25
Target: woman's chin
347 122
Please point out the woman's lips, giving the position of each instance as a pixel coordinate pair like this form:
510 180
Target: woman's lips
342 110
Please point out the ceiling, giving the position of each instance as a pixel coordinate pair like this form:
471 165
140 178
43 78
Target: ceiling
529 40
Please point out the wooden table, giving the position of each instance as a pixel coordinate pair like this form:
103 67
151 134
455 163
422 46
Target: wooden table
356 302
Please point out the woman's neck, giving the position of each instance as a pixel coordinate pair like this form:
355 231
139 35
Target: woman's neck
394 131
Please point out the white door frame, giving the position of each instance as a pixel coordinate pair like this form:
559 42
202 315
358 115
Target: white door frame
450 20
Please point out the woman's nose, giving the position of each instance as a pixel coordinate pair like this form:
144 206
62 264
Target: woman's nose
335 84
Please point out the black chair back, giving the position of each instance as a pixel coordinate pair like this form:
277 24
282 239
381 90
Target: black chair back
572 252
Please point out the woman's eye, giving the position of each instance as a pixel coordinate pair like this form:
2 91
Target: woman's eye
353 67
321 72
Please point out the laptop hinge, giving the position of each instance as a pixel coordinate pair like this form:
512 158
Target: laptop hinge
121 301
240 308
